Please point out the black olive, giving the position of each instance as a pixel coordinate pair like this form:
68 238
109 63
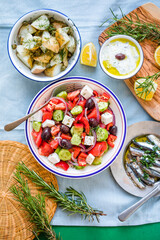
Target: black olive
46 134
65 143
64 129
113 130
93 122
120 56
89 103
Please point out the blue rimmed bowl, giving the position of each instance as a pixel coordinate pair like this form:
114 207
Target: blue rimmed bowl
74 83
13 39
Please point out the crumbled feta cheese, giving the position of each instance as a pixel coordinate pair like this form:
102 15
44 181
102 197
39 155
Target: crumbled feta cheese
106 118
90 158
86 92
54 158
68 121
37 116
48 123
89 140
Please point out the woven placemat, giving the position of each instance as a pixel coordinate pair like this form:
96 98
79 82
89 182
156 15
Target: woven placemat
13 220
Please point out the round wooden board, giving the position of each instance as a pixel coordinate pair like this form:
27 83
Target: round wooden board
13 220
117 168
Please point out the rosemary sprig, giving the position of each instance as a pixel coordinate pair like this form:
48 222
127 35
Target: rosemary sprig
148 85
34 206
72 200
137 29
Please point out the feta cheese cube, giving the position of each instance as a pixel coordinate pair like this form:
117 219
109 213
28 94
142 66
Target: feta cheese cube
68 121
89 140
54 158
106 118
37 116
86 92
90 158
48 123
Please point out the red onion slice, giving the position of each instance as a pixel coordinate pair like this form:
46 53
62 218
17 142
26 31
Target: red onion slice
95 140
82 146
114 119
85 113
59 139
73 159
97 108
62 100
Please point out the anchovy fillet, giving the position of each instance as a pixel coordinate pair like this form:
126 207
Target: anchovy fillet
136 152
155 140
134 178
157 169
151 172
146 146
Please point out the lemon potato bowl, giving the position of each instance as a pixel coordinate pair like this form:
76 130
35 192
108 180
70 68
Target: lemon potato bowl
121 57
13 40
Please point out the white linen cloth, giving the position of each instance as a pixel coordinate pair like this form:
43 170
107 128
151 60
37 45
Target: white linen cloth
16 92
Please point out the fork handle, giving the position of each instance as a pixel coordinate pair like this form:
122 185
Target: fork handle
16 123
129 211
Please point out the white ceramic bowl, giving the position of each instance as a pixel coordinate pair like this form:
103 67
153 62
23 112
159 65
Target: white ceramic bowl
127 38
78 83
12 39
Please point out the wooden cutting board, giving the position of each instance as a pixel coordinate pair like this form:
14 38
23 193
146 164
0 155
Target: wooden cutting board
148 13
14 224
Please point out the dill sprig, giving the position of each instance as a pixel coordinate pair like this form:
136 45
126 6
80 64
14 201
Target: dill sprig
72 201
137 28
34 206
147 85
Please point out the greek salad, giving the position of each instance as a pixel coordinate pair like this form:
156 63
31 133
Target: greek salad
75 129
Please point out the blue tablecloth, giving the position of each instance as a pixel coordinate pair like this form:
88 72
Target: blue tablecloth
16 92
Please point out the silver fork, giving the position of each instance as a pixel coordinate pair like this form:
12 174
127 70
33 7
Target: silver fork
63 87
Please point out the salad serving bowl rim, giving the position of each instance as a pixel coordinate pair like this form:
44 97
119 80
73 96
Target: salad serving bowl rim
78 175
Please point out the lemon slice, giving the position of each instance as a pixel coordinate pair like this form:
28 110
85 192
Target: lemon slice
157 55
89 55
147 96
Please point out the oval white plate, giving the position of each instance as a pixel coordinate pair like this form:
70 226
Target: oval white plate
117 168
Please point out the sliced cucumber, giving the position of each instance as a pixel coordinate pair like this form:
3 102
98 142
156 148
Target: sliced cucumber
62 94
58 149
64 154
97 161
76 130
102 106
58 115
76 110
102 134
79 167
36 126
76 140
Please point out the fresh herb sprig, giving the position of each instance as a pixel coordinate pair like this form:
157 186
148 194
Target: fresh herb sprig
34 206
137 28
147 85
72 201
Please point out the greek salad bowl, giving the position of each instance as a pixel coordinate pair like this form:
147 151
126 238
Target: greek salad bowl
80 132
44 45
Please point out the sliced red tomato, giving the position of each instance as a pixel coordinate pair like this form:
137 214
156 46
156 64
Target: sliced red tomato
60 106
99 149
70 105
82 159
55 130
95 93
72 95
79 116
82 103
37 137
75 101
109 125
47 115
76 150
105 96
51 105
102 125
111 139
86 124
45 149
83 137
65 136
62 165
93 114
54 143
78 125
